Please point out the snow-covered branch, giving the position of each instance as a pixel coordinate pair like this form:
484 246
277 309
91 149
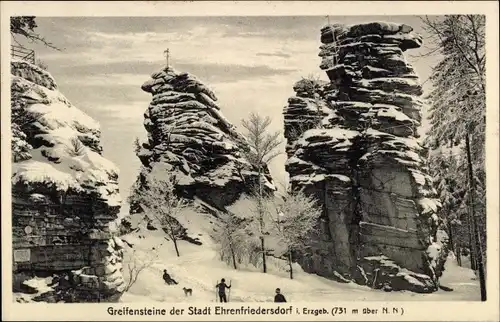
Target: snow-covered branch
294 218
159 198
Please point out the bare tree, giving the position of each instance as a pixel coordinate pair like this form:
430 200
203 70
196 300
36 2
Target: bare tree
25 26
231 238
136 266
263 148
158 197
294 218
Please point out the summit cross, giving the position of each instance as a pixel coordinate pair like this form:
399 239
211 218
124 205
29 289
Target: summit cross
167 56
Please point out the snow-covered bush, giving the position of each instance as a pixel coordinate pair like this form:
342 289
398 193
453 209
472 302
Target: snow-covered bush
293 218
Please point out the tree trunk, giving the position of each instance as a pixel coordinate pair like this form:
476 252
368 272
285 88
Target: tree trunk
451 236
478 244
264 267
459 255
470 231
175 245
290 263
233 256
455 245
261 221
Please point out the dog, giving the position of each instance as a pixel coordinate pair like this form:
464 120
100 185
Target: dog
187 291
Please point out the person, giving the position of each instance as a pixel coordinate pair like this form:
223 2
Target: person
222 290
169 280
279 298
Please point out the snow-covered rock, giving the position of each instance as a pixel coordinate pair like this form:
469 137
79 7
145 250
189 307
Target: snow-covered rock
64 192
356 150
189 136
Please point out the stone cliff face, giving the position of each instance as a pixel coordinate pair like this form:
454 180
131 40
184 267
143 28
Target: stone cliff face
188 135
64 195
361 159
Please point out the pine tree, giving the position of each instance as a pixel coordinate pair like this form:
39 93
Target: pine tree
443 168
20 148
137 146
21 119
457 109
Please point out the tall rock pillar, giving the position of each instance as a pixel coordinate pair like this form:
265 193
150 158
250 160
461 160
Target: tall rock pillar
363 162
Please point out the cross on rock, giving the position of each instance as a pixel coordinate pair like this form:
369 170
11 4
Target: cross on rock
167 56
328 19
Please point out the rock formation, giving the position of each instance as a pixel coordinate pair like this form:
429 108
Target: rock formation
64 195
353 144
188 135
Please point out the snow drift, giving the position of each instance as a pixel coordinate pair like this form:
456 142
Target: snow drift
353 144
64 192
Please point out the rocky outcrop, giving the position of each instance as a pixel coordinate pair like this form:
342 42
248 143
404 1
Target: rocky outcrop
189 136
361 159
64 192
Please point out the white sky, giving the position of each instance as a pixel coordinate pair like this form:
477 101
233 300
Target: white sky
251 63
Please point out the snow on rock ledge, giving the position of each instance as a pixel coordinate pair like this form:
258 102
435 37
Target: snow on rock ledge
64 192
382 217
188 135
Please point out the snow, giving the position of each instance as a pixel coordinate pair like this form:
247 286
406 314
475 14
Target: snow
372 82
308 179
33 73
65 162
40 284
341 177
315 178
408 157
410 279
58 112
336 136
409 143
419 177
392 112
31 171
429 205
199 268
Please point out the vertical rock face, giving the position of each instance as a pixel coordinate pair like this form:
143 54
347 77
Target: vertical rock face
64 193
363 162
188 135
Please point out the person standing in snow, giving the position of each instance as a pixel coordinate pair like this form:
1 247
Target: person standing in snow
279 298
169 280
222 290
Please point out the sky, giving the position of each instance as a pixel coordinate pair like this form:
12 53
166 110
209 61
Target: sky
251 63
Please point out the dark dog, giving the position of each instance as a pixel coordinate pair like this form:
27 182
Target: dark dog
187 291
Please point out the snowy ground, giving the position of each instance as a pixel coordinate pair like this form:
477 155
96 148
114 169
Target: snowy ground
199 268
